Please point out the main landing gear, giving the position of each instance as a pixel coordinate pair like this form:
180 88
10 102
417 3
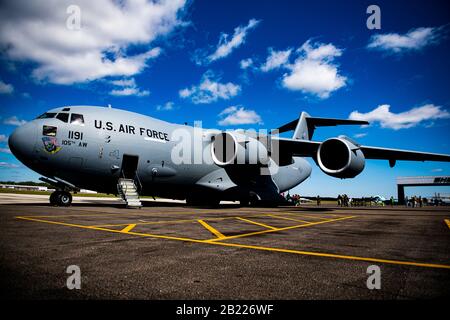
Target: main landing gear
61 198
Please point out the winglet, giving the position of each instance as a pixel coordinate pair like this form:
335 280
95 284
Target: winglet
304 127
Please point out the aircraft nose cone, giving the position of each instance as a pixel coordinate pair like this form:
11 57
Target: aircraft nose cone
21 142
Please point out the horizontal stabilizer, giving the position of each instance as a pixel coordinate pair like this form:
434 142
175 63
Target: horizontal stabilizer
305 126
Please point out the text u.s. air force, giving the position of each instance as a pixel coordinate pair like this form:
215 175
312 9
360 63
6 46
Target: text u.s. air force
130 129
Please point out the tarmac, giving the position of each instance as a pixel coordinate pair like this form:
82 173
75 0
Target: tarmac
167 250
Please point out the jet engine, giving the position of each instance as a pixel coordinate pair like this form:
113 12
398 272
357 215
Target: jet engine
230 148
340 157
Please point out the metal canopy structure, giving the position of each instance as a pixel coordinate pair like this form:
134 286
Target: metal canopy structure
424 181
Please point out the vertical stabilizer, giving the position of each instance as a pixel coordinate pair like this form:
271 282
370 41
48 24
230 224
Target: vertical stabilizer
301 130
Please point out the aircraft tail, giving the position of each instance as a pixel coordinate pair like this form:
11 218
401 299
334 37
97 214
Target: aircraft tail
304 126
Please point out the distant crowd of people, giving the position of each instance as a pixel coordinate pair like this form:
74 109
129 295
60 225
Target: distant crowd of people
415 202
345 201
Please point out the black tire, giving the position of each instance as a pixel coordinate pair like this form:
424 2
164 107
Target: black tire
64 199
197 202
190 201
213 203
244 202
254 202
54 198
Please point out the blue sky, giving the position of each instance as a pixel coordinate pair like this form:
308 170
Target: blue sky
239 64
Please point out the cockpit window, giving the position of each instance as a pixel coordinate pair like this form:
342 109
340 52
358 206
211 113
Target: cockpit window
47 115
64 117
77 119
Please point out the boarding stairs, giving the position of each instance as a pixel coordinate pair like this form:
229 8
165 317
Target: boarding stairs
129 193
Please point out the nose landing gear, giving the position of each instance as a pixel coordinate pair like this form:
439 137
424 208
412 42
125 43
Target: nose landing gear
61 198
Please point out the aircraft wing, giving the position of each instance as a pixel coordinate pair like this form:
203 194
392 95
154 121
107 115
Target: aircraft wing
397 154
306 148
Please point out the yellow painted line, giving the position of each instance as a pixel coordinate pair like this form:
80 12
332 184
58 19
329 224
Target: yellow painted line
309 216
211 229
337 256
257 223
149 223
128 228
148 215
284 218
53 222
74 215
447 221
281 229
176 221
134 213
111 230
299 252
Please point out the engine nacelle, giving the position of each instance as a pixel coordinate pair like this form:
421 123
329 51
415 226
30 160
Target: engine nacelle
340 158
234 148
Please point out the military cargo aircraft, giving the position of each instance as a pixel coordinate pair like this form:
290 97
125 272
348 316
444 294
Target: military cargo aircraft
128 154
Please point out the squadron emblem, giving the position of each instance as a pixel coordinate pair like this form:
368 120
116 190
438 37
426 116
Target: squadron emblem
51 145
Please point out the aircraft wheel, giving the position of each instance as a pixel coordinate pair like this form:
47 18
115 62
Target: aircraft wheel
254 201
244 202
197 202
64 199
53 198
190 201
213 203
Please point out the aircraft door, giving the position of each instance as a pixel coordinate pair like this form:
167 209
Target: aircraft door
129 166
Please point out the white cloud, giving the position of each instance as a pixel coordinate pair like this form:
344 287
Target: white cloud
228 110
238 115
5 150
129 92
415 39
210 90
226 46
246 63
276 59
166 107
124 82
14 121
360 135
127 87
37 32
402 120
314 71
6 88
437 170
8 165
3 138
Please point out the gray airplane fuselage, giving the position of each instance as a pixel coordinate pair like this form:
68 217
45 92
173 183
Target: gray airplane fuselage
90 151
